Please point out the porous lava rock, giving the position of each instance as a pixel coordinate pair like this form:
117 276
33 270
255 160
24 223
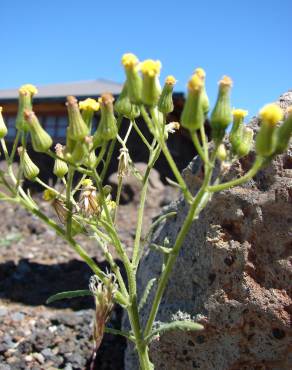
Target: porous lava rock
233 274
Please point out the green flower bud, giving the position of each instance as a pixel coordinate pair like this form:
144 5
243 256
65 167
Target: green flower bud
165 103
284 133
70 144
205 100
236 131
266 138
151 88
26 93
30 170
80 150
90 159
222 114
107 128
134 80
193 116
3 128
60 167
245 144
77 129
124 107
41 140
221 152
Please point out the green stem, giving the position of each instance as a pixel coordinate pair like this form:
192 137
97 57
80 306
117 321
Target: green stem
250 174
113 265
110 151
100 155
69 204
198 147
118 197
135 257
15 143
192 213
178 176
143 138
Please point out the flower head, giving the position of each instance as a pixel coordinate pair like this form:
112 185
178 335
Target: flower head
271 114
28 89
170 80
103 293
89 105
200 72
124 161
171 127
87 182
49 195
88 202
151 67
239 113
129 61
225 82
195 83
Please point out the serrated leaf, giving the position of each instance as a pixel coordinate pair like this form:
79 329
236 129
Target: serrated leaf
146 293
174 325
68 295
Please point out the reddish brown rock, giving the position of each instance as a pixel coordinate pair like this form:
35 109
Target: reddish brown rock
233 274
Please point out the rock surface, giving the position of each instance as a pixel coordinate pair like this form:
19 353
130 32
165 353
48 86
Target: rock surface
233 275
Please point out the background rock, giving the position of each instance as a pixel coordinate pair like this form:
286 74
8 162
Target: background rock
233 275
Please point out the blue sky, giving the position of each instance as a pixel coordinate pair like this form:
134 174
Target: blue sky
57 41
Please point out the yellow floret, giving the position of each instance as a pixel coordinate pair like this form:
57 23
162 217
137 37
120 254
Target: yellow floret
200 72
1 108
151 67
195 83
225 81
129 60
49 195
271 114
239 113
170 80
28 88
87 182
89 104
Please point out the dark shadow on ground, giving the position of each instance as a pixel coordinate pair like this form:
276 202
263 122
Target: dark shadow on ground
31 283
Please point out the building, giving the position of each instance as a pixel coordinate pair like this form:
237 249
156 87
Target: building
49 105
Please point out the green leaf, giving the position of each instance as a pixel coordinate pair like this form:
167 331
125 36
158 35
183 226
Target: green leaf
67 295
174 325
125 334
146 293
160 248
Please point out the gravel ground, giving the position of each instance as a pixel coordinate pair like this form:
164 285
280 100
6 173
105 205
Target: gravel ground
35 264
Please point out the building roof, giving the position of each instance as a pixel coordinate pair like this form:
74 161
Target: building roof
89 88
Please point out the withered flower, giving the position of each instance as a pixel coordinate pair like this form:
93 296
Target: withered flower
103 294
88 202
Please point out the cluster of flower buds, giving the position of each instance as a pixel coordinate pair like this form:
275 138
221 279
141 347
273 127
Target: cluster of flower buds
142 86
272 139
